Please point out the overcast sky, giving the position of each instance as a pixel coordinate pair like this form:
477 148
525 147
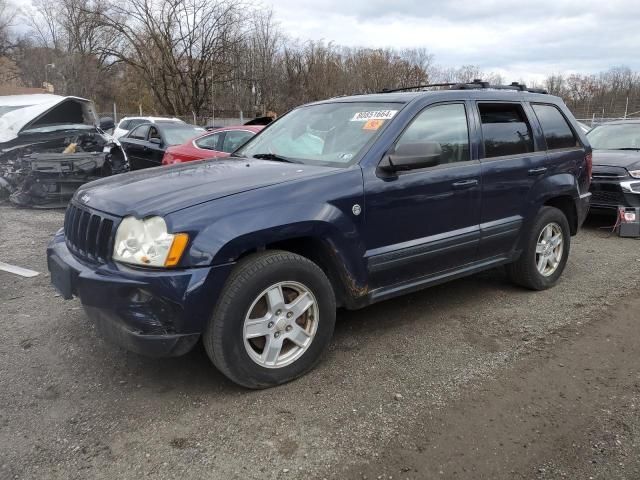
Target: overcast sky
521 40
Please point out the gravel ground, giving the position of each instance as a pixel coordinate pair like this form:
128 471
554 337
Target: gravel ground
433 383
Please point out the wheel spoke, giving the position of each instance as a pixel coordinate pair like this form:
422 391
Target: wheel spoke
557 254
258 327
298 335
542 263
272 349
548 233
556 240
539 248
275 298
300 305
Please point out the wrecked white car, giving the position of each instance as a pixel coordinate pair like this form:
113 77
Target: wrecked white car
50 145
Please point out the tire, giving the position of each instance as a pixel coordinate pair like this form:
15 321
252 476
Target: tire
525 271
248 362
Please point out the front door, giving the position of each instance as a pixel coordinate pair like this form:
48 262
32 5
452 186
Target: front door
134 144
424 222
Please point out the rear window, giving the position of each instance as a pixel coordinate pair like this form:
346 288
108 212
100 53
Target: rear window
505 129
557 131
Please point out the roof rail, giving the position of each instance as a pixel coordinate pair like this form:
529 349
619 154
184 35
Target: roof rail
476 84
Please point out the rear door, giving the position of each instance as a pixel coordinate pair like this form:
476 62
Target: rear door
514 159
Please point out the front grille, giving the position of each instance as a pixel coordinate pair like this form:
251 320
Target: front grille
88 234
607 197
607 175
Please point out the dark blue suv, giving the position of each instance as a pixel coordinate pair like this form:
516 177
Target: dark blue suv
339 203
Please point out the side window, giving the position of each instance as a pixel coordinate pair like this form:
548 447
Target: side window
557 131
446 127
124 124
210 142
234 139
139 133
153 132
505 129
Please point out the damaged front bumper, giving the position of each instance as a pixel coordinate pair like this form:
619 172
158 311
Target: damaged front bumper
154 313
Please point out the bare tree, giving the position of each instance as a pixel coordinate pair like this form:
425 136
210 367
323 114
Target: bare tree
180 47
8 15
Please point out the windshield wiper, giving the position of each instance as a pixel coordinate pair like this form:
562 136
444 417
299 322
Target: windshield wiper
275 157
628 148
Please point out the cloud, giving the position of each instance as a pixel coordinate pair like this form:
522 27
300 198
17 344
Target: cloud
521 40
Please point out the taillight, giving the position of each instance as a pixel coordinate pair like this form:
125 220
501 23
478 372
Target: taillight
588 158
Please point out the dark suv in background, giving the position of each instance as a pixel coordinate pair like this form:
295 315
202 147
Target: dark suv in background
343 202
616 165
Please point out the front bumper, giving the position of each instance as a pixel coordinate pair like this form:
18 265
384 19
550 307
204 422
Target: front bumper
151 312
608 195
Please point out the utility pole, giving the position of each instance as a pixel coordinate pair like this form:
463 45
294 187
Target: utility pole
46 71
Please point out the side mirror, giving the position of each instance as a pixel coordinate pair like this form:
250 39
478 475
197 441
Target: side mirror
106 124
410 156
155 141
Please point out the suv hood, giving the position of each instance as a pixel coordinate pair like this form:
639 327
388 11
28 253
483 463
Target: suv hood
629 159
163 190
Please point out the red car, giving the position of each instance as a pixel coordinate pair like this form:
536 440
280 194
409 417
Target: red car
217 143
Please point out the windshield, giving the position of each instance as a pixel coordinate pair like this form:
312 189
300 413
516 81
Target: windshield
615 137
180 134
332 134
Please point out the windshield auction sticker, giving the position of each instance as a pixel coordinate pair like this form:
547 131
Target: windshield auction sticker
372 124
374 115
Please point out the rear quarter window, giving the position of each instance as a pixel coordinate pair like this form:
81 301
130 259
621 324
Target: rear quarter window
505 129
557 132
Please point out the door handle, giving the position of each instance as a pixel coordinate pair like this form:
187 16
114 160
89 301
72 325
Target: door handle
537 171
462 184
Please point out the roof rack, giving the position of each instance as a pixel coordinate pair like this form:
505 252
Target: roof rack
476 84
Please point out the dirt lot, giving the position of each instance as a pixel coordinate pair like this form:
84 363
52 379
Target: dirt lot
473 379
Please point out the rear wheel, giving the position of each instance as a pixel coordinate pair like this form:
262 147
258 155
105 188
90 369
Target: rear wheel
545 253
274 319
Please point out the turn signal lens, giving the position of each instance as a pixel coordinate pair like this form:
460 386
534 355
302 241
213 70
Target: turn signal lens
178 246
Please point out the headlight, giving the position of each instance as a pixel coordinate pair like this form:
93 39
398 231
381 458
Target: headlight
147 242
634 173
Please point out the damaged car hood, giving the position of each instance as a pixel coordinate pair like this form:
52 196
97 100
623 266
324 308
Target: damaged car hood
163 190
20 113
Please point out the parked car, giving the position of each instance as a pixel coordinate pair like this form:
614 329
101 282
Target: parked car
344 202
616 165
218 143
129 123
145 145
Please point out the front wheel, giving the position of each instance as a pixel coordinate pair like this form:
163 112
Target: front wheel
274 319
545 253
